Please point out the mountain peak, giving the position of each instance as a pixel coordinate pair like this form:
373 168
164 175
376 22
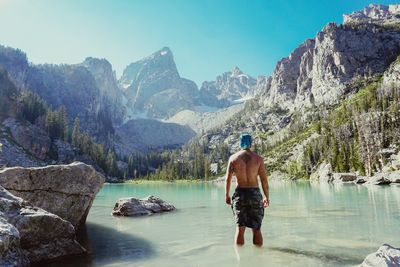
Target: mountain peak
374 13
236 71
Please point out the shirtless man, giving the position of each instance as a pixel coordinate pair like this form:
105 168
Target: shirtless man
247 202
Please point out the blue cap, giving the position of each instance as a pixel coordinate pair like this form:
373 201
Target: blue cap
245 140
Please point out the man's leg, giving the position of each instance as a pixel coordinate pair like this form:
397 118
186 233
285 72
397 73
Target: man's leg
239 236
257 238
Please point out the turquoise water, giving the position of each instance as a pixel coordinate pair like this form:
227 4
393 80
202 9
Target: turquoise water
306 225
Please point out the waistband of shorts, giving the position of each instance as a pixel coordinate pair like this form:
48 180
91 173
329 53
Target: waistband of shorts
247 189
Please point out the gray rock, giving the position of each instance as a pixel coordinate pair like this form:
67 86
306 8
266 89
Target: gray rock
30 137
361 179
378 179
107 83
378 14
323 173
227 88
11 253
386 256
139 207
153 85
31 234
394 177
12 154
65 190
344 177
65 152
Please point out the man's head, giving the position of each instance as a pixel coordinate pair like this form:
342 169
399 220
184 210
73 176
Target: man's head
245 141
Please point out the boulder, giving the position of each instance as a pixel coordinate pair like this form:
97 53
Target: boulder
378 179
323 173
11 253
394 177
139 207
361 179
385 256
343 177
30 234
65 190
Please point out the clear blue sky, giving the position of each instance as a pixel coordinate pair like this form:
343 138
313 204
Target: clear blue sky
207 37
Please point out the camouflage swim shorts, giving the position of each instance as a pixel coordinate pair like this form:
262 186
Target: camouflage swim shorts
248 207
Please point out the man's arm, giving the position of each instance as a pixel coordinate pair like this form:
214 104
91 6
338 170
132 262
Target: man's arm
228 181
264 183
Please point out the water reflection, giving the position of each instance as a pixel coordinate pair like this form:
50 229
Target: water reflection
106 245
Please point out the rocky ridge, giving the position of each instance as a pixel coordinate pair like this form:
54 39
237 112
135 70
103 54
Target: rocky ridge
227 89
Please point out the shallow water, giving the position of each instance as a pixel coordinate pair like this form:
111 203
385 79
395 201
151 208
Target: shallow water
306 225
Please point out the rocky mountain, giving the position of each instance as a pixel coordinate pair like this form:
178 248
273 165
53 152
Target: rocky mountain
108 86
154 86
77 87
227 89
321 71
377 14
313 80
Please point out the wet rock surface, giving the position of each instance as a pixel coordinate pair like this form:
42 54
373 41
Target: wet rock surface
140 207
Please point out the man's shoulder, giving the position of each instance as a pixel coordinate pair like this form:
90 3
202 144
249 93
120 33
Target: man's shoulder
258 156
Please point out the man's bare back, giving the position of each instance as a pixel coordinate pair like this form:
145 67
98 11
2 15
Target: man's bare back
246 164
247 202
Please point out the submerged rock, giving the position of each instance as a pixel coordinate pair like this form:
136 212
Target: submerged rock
139 207
65 190
29 234
361 179
385 256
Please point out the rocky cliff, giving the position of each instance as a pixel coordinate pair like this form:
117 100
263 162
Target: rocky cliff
322 70
154 86
309 84
228 88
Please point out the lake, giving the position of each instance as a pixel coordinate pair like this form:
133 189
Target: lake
306 225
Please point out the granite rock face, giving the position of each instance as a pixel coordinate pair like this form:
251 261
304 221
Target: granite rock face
11 253
65 190
107 83
379 14
31 234
320 70
139 207
227 88
153 84
386 256
323 173
30 137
